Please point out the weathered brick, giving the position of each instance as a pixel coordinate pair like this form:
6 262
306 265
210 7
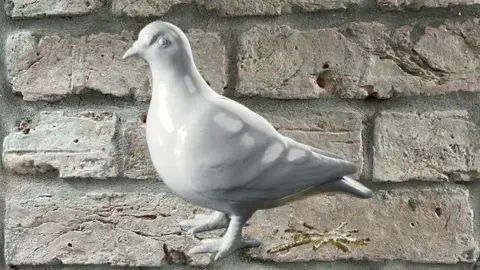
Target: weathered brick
418 4
357 60
272 7
2 217
435 46
78 146
89 267
98 65
417 225
432 146
333 121
347 144
49 67
338 132
279 62
228 8
469 29
402 265
19 9
124 229
137 163
144 8
210 58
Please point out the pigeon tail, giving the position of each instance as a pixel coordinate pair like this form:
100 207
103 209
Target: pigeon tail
349 186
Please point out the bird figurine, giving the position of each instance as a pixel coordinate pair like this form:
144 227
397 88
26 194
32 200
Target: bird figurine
215 153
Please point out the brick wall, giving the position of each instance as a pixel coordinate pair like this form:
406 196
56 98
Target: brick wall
391 85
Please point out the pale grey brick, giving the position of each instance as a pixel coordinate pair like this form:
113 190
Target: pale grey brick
144 8
58 66
272 7
77 267
20 9
418 4
417 225
137 163
50 67
446 52
402 265
432 146
77 145
227 8
358 60
21 53
335 131
98 66
347 144
280 62
3 184
120 229
210 58
333 121
32 63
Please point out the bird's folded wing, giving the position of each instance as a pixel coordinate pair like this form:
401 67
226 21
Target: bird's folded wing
274 167
295 170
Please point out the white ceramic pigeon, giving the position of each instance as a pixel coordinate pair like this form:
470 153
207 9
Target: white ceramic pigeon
216 153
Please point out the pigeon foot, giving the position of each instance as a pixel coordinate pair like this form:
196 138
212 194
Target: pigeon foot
222 247
202 223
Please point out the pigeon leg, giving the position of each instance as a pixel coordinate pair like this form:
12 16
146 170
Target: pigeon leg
202 223
229 243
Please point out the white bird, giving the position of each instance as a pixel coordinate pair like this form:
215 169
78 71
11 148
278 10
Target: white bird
216 153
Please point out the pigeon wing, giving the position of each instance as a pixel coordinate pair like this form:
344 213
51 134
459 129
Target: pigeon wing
270 167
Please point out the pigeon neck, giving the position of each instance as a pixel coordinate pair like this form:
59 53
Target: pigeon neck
182 81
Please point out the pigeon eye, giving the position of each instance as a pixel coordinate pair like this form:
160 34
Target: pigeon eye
163 42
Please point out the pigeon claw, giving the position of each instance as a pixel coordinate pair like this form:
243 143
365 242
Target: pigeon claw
207 246
228 248
203 223
223 249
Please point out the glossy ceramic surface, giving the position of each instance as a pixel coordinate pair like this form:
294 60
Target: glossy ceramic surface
215 152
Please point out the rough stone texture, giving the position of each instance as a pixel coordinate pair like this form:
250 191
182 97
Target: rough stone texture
70 267
358 60
272 7
99 66
227 8
78 146
49 67
125 229
144 8
137 163
432 146
422 225
210 58
400 265
418 4
435 48
2 217
19 9
338 132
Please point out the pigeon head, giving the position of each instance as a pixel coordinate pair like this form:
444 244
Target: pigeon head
161 44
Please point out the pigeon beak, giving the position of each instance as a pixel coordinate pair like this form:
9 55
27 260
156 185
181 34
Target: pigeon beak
133 51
